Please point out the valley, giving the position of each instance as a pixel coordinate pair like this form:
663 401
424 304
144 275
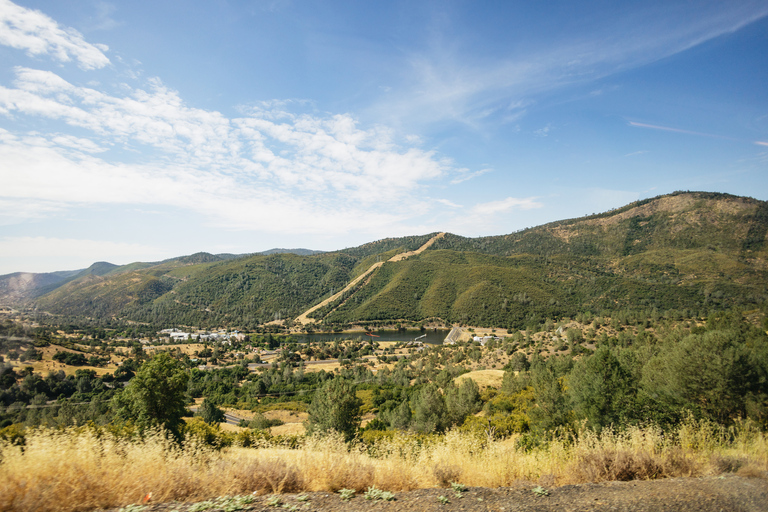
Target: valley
629 345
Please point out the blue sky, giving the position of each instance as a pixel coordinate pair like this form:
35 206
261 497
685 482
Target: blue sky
138 131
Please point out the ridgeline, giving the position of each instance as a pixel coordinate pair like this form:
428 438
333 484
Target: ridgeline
693 251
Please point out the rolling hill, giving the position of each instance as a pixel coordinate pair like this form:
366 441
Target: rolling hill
693 251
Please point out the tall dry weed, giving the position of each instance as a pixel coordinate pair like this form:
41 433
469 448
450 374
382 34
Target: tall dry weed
330 464
81 469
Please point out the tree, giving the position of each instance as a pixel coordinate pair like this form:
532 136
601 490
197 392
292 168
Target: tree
156 395
715 375
552 409
429 412
335 406
399 417
601 390
210 413
462 400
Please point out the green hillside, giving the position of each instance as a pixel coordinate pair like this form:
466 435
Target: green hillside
688 250
204 289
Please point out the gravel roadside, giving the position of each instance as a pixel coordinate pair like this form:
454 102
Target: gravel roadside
726 493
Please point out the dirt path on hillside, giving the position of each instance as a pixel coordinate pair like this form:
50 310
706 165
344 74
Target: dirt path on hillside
726 493
304 319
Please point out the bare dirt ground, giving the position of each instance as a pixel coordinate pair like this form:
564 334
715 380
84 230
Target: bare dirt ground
727 493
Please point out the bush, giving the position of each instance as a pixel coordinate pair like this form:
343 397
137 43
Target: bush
261 422
210 413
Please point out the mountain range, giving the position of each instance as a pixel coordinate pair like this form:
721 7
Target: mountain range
694 251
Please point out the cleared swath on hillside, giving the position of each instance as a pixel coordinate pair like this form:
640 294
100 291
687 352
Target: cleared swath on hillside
695 251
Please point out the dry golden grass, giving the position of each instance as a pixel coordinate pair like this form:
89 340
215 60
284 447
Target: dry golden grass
288 429
76 469
226 427
293 422
246 414
185 348
286 416
328 367
484 378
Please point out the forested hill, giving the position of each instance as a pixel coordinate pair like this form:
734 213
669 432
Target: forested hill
682 220
688 250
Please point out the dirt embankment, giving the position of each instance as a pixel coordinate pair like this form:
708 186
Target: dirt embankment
728 493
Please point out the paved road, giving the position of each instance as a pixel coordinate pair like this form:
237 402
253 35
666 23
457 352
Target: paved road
232 419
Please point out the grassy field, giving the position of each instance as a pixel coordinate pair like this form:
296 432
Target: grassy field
483 378
79 469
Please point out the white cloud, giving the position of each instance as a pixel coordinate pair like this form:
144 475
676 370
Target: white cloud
273 170
465 175
491 217
37 34
505 205
14 211
448 203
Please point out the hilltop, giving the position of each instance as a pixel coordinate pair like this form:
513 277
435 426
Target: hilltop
683 251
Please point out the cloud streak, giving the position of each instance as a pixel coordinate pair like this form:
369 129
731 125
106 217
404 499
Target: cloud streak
453 83
678 130
37 34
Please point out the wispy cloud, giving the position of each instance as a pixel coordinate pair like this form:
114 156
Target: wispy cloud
448 203
465 175
449 82
37 34
490 216
678 130
274 170
506 205
542 132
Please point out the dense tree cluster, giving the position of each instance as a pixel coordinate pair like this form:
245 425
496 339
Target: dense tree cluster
619 368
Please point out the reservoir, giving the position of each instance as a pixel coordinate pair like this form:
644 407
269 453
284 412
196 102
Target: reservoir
431 337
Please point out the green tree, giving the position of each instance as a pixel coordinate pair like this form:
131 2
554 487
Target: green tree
210 413
429 412
399 417
462 400
715 375
335 406
552 409
156 395
601 390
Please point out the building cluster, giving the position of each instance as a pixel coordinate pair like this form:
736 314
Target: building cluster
485 339
222 336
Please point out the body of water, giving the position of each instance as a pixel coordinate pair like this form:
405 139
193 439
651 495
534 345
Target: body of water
432 337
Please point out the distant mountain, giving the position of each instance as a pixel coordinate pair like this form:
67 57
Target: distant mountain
300 252
198 257
100 268
22 286
692 251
